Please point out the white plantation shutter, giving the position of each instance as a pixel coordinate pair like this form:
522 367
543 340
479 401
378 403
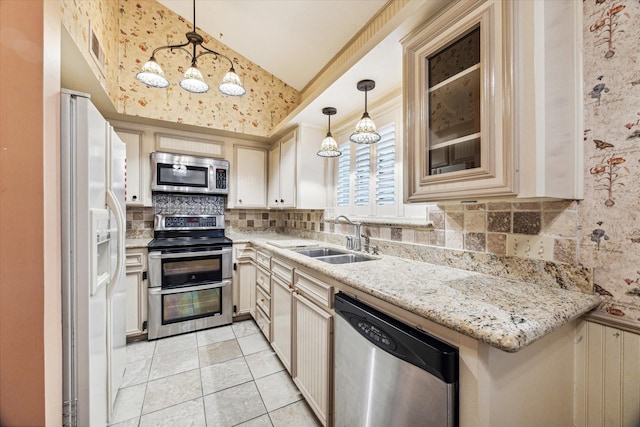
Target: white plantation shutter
362 175
385 166
344 173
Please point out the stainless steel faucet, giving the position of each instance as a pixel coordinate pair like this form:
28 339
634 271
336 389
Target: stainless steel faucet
356 238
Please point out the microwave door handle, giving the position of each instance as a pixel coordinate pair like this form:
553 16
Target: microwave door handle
114 205
213 285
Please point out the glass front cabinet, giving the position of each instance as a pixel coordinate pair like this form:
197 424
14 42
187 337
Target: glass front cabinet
464 75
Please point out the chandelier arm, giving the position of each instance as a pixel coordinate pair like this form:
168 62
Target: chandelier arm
175 46
214 53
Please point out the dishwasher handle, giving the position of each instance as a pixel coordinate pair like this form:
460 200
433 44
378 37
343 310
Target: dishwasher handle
400 340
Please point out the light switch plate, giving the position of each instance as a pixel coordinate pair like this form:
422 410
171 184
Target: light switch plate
529 246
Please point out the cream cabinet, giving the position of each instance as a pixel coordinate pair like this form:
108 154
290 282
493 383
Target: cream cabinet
313 343
486 112
137 168
296 174
282 173
136 291
263 293
249 177
244 279
281 313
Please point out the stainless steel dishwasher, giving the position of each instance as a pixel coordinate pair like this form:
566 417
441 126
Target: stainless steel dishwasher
390 374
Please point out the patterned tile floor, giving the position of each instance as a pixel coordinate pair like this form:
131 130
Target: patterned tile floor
226 376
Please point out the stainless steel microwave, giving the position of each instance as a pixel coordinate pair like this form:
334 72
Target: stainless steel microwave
176 173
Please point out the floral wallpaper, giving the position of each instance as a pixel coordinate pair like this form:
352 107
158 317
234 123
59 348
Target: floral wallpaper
129 30
609 216
79 17
146 25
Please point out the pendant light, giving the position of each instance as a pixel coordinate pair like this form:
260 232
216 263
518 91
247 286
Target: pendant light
329 146
365 132
152 74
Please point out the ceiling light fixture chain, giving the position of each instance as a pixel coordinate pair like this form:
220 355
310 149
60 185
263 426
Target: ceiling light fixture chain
152 74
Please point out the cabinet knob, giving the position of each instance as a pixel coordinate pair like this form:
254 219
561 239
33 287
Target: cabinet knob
134 198
281 200
276 200
239 200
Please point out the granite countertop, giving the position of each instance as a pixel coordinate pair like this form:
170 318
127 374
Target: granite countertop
505 313
137 243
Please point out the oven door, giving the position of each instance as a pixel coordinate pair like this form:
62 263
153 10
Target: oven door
187 309
176 268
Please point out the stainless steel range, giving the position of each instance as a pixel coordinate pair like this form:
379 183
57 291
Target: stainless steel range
189 274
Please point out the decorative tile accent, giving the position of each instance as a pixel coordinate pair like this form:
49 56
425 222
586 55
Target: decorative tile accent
183 204
454 221
497 243
396 234
475 242
526 222
499 222
475 221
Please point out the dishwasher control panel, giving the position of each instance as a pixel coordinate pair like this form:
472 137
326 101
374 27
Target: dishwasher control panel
374 334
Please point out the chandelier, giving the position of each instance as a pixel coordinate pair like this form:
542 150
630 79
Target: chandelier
152 74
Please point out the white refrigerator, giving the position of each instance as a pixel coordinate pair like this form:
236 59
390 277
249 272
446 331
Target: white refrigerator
93 161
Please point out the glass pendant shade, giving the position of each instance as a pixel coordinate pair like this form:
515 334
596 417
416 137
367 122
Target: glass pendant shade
193 81
365 132
152 75
329 147
231 84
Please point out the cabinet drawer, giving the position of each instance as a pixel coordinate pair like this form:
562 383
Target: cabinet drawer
263 279
282 270
263 301
136 259
314 289
263 259
263 323
245 252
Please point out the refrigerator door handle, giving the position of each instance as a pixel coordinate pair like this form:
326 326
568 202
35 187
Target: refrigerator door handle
114 205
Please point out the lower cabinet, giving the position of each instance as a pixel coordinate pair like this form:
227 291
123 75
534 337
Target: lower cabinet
295 314
313 343
244 280
313 338
263 293
281 313
136 286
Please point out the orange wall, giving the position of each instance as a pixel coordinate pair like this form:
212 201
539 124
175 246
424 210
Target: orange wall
30 344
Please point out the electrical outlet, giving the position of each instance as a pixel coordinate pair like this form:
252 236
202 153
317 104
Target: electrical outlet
528 246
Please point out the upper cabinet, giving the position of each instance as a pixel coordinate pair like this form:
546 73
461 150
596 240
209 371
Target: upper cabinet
138 190
296 173
282 173
484 115
250 177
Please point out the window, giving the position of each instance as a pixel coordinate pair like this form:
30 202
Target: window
367 181
386 167
344 168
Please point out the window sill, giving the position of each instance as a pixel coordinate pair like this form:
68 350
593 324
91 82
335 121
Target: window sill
418 224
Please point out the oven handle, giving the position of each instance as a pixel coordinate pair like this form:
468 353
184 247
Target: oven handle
160 255
214 285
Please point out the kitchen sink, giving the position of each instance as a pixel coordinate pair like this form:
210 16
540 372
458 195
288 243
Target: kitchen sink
333 256
344 258
320 252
